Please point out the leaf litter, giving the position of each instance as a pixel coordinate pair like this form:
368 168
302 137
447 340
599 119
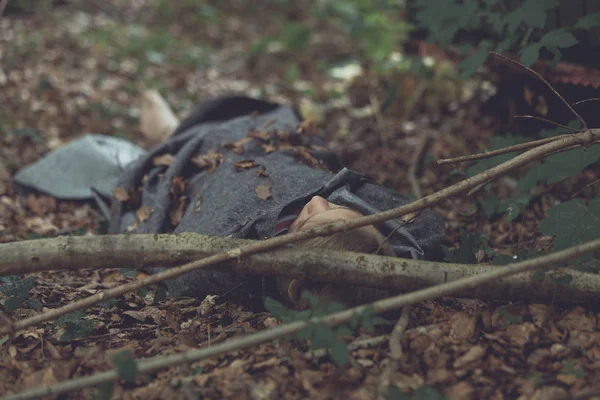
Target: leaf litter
463 349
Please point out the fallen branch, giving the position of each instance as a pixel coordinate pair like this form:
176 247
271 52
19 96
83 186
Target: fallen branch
381 306
504 150
368 270
581 139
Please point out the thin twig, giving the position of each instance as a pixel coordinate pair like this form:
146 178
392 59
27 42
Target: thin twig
582 138
504 150
416 161
585 187
586 100
378 307
541 78
548 121
396 353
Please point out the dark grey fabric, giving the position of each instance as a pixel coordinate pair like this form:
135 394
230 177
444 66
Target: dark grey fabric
229 204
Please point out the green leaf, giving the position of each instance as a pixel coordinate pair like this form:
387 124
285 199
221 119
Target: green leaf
295 36
530 54
126 366
395 394
565 279
589 21
514 205
104 391
323 337
275 307
16 291
490 205
558 38
558 167
427 393
76 325
339 353
572 223
507 317
469 65
469 246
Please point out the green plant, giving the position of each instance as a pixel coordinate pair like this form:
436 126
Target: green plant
521 29
322 336
76 326
16 290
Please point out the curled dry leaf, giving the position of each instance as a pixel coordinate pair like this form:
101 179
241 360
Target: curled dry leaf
207 304
143 213
264 135
264 190
237 147
177 214
244 164
269 148
165 159
209 160
262 172
121 194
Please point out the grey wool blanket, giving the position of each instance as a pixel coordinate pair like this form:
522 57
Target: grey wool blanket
232 169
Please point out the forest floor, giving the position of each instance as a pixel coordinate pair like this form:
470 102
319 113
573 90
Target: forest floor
80 68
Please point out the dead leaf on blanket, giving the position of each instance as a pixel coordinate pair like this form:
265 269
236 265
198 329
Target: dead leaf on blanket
121 194
165 159
177 214
264 136
264 191
209 160
244 164
269 148
143 213
262 172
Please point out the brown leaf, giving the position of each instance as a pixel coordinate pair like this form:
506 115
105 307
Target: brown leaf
578 319
473 355
264 136
143 213
165 159
177 214
463 325
264 191
262 172
41 205
120 194
461 391
237 147
210 160
244 164
178 186
269 148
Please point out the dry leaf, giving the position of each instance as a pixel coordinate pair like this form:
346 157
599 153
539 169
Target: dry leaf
207 304
264 191
269 148
178 186
264 136
237 147
244 164
177 214
165 159
143 213
210 160
120 194
262 172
